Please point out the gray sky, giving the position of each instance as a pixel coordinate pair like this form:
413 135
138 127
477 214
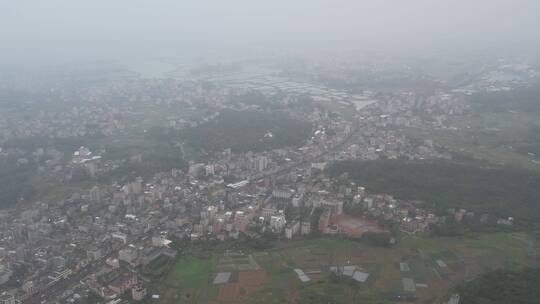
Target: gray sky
50 30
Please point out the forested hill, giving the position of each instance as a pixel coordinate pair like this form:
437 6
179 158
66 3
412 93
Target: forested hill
526 99
503 287
15 181
442 184
244 131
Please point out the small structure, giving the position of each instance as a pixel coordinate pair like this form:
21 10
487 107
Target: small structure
404 267
302 276
360 276
353 271
408 285
441 263
222 278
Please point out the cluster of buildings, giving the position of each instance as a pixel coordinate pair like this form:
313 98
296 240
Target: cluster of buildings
81 120
502 76
105 109
105 239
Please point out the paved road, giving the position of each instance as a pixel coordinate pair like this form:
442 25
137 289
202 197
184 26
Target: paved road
307 161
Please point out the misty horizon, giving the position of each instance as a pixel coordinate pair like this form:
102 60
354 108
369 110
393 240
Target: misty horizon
59 30
278 151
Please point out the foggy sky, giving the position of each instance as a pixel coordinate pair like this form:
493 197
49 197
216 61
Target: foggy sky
52 30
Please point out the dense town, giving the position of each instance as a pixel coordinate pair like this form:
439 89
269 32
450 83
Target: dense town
102 240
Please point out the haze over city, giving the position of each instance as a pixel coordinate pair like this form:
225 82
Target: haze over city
240 152
60 30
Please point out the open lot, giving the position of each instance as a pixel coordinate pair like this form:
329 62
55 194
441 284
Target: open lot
188 281
494 137
420 269
434 265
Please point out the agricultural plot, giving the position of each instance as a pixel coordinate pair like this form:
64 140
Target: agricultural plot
188 280
239 276
418 270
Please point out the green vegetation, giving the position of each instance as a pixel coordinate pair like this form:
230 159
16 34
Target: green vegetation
466 258
500 191
502 250
502 287
21 182
247 131
65 145
153 159
530 147
15 181
526 99
191 272
159 266
502 128
337 292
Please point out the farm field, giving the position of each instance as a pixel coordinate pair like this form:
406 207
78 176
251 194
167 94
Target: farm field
416 270
498 138
187 281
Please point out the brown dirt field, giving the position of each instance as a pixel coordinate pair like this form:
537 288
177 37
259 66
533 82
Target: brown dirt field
229 292
293 295
168 296
174 295
355 226
251 280
248 283
424 295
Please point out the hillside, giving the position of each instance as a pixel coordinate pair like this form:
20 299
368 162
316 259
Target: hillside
503 287
441 184
248 131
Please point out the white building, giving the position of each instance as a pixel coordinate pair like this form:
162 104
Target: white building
7 298
292 230
282 194
120 236
277 223
297 199
160 241
95 194
262 163
305 228
209 169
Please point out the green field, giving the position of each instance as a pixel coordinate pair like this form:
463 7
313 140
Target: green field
502 138
462 259
260 131
191 272
435 264
188 281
